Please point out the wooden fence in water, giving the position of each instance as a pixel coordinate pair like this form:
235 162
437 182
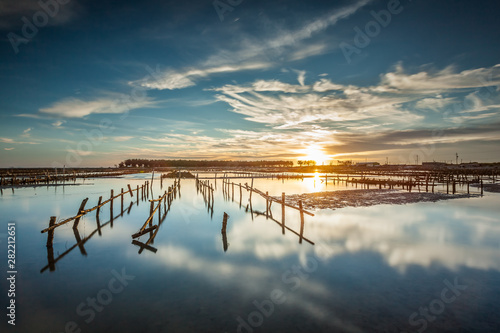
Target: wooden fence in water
228 191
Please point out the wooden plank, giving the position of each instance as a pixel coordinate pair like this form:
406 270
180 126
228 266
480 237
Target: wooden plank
145 231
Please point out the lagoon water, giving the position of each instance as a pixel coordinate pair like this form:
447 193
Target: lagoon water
431 267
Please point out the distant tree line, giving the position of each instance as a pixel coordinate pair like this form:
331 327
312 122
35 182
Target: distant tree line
306 163
146 163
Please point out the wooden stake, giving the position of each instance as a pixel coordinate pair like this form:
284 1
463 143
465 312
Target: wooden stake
301 221
80 210
283 213
50 235
98 207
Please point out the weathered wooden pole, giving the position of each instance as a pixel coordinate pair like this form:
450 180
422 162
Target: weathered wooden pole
111 209
283 213
267 204
130 190
251 189
121 196
80 211
98 207
50 235
301 222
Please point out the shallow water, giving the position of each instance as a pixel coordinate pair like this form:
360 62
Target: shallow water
373 269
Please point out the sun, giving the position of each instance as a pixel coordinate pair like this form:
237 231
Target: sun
316 154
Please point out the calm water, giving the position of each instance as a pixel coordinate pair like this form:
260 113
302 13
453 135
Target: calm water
432 267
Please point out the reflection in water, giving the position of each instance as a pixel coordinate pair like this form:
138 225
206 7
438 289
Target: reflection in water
79 241
225 245
381 264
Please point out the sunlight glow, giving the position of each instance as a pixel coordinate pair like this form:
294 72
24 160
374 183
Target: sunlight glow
316 154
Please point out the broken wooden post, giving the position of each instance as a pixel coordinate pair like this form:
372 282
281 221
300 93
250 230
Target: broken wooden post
251 189
98 207
50 235
80 211
223 232
301 222
130 190
121 196
283 213
267 204
111 209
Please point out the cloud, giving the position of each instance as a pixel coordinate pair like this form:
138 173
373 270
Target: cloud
12 141
282 105
171 79
122 138
440 81
11 13
58 123
77 108
253 53
301 77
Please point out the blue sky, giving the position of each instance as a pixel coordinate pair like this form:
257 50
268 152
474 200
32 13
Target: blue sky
90 83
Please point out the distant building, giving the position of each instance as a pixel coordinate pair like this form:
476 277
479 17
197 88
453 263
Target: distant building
367 164
434 165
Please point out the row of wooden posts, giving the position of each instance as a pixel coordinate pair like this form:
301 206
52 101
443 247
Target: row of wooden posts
228 191
166 199
142 191
412 182
46 177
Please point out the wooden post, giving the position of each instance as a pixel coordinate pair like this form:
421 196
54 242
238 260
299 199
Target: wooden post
111 209
283 213
121 196
267 204
240 195
251 189
301 222
50 235
98 207
232 192
223 232
80 210
130 190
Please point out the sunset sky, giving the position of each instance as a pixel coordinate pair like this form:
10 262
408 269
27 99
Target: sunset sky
92 83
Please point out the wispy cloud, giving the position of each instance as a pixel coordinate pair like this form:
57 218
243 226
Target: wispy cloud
12 141
77 108
172 79
254 53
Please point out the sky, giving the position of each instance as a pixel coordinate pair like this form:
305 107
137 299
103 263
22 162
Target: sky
91 83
